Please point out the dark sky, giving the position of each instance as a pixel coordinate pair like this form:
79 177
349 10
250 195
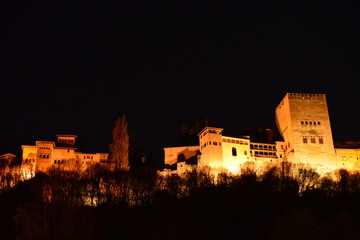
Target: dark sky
74 67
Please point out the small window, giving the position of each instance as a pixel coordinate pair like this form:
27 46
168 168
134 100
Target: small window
312 140
321 140
245 152
302 122
234 153
305 140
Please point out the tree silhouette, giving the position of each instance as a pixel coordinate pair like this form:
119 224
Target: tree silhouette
189 132
119 148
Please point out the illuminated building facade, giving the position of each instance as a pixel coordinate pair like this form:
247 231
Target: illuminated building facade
62 154
221 152
304 125
303 121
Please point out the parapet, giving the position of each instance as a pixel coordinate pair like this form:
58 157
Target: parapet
305 95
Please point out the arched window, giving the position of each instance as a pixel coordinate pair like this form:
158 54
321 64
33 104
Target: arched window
234 151
54 161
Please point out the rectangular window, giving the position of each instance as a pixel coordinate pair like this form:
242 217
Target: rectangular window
321 140
245 152
312 140
305 140
214 143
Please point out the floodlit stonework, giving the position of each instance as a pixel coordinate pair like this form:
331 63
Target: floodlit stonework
62 153
304 125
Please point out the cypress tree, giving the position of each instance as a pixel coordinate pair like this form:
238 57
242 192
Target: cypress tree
119 148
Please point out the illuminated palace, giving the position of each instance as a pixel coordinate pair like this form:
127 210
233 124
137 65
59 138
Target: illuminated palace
62 154
304 125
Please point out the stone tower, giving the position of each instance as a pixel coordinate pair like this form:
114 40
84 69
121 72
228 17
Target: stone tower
304 123
210 139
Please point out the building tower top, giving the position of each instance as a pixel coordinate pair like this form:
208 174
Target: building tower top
214 130
66 140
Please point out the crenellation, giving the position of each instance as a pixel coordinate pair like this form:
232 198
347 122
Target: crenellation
307 96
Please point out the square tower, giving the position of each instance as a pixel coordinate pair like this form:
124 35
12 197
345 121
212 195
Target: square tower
303 121
210 139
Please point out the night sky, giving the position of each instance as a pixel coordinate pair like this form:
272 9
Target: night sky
73 68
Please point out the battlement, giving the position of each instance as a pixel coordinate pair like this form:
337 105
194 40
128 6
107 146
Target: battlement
305 95
301 96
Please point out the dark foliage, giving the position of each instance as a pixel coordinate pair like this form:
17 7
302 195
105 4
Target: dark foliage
99 204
